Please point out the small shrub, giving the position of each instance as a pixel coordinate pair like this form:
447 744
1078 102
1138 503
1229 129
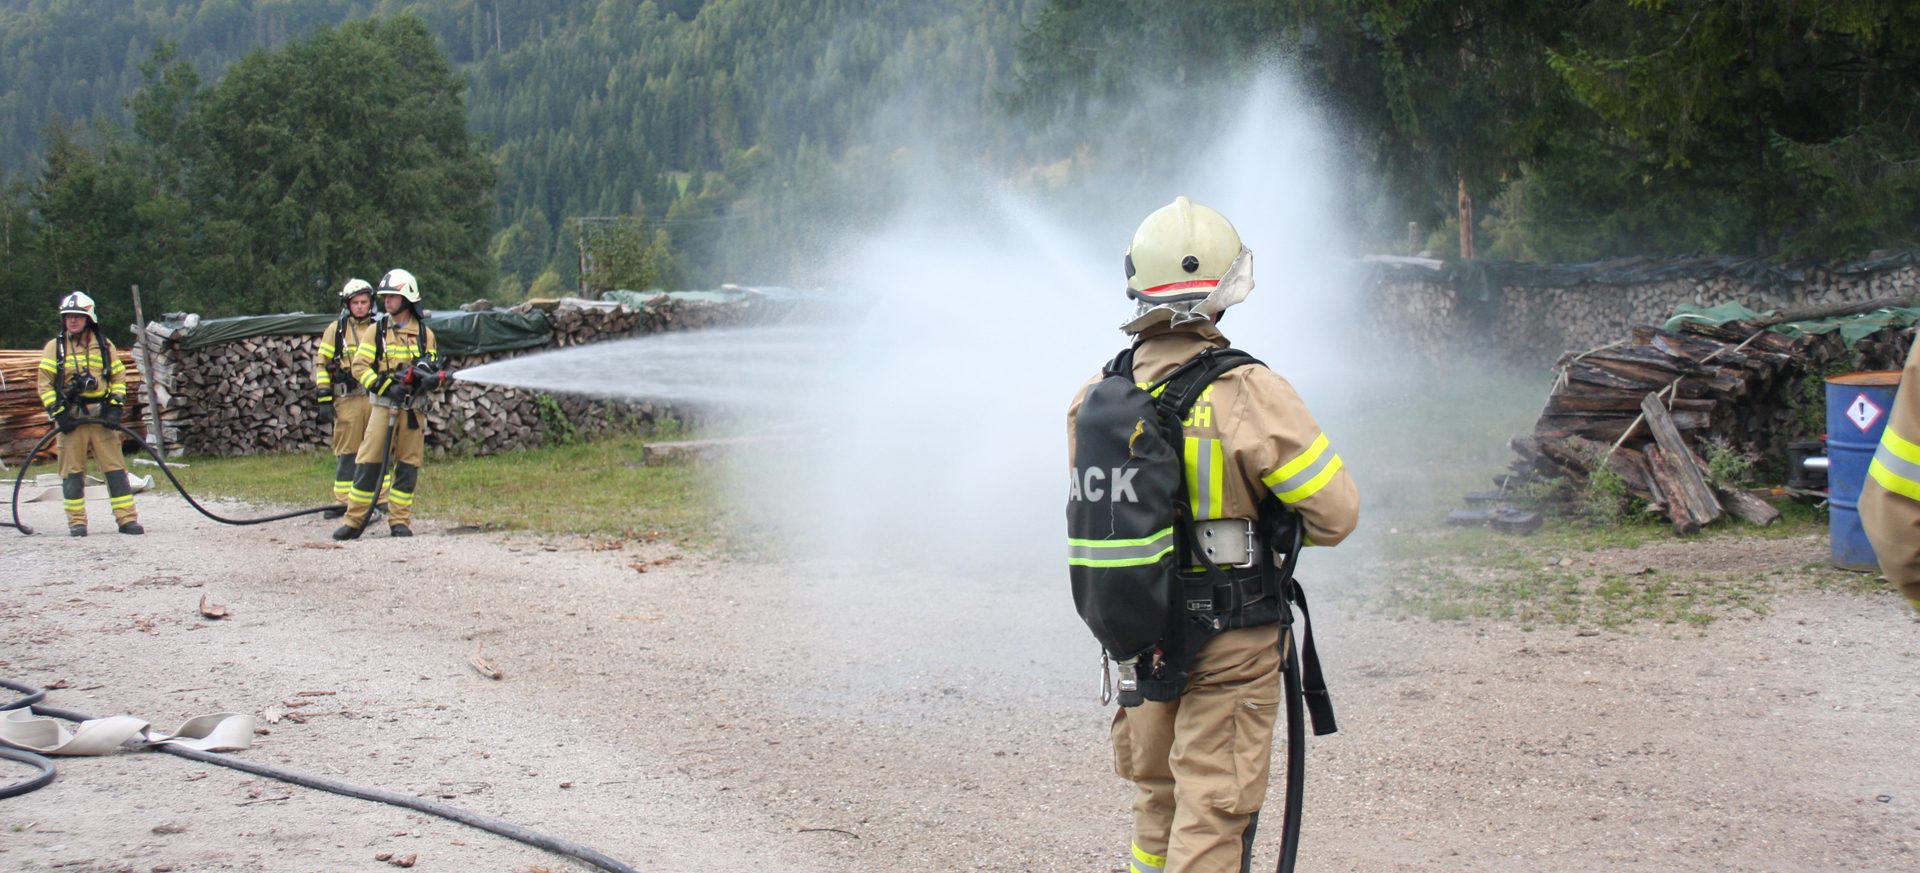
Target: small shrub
556 428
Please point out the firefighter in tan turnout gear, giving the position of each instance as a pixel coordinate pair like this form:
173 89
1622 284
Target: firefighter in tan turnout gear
342 399
1890 498
1200 760
81 378
398 363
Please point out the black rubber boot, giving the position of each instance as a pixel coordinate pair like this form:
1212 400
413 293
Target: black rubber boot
400 530
335 512
77 530
132 527
347 532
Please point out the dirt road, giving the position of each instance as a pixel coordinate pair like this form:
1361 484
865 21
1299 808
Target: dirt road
704 715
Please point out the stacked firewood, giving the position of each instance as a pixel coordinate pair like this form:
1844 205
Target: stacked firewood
255 395
23 420
1649 406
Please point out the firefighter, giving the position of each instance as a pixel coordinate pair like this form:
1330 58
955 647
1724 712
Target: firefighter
343 400
398 363
81 378
1890 498
1200 761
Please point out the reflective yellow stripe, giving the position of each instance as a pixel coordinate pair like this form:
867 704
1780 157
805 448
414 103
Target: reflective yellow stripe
49 365
1897 444
400 498
1206 478
1306 474
121 501
1301 462
1896 465
1147 860
1892 481
1313 485
48 397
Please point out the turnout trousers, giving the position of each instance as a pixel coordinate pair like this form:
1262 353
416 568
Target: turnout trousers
409 453
350 412
103 445
1199 764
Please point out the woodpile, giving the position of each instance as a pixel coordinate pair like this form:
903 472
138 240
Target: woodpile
1436 315
255 395
23 420
1647 407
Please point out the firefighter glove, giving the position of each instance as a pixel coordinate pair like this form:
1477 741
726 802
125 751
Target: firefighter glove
394 391
112 413
63 421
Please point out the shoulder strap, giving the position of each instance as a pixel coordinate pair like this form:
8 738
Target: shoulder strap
1181 388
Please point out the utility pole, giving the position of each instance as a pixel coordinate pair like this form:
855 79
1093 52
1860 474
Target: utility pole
145 360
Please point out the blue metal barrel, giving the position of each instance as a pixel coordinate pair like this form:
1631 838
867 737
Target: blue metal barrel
1858 406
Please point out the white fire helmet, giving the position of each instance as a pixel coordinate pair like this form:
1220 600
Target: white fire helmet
402 283
78 303
355 286
1185 264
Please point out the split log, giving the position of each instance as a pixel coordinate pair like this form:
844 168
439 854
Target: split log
1701 505
1746 507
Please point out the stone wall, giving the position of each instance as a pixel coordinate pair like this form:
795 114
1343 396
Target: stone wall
1527 315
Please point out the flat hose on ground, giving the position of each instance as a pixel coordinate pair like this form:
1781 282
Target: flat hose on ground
21 477
451 813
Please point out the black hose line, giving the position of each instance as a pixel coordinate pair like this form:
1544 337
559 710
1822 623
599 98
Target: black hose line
145 447
435 808
1296 751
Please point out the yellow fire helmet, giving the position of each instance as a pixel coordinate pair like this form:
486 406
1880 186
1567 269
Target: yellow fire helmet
402 283
1186 263
78 303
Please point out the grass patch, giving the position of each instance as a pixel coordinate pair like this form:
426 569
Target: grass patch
597 487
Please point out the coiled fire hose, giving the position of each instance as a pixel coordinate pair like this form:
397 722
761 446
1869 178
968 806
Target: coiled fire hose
33 696
40 446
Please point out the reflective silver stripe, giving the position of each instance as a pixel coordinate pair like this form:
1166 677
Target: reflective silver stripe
1139 552
1300 479
1203 478
1142 867
1896 465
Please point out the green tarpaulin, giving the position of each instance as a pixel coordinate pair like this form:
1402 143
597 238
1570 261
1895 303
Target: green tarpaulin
1850 327
458 333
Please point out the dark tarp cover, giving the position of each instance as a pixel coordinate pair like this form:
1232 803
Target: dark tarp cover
458 333
1481 280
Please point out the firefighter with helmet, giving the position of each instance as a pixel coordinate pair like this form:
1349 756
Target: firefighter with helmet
82 383
1200 760
343 401
398 363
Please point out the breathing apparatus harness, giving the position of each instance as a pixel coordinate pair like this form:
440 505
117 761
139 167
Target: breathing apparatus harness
83 382
1147 581
342 374
426 372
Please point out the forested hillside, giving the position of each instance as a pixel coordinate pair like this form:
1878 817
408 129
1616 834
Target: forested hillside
726 119
687 142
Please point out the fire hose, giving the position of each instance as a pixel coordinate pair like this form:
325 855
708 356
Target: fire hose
40 446
34 696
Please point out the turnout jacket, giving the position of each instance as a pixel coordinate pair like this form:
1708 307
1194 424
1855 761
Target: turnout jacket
86 353
1249 435
386 350
341 349
1890 498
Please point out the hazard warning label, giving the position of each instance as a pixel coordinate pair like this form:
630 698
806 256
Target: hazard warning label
1863 413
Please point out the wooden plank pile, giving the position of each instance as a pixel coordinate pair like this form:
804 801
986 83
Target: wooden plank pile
23 421
1646 407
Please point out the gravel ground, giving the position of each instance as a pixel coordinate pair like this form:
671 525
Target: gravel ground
690 714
